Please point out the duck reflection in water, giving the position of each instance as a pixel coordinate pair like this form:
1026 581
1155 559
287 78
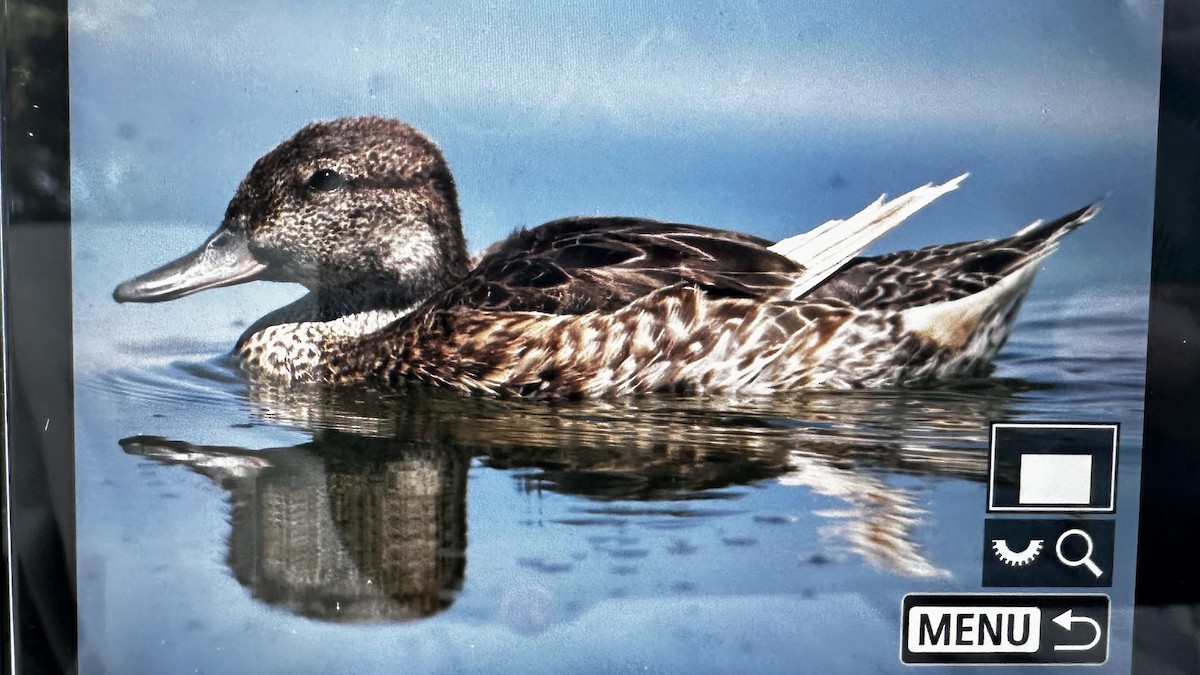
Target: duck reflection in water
345 528
368 521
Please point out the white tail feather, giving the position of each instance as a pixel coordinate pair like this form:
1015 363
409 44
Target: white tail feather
823 250
1030 227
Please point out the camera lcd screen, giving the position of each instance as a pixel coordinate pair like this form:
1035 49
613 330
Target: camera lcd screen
566 337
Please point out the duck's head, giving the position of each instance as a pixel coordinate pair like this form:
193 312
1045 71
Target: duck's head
361 205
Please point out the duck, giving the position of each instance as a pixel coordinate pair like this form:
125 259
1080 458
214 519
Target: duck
364 213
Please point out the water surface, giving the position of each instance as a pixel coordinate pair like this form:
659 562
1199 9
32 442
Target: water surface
231 527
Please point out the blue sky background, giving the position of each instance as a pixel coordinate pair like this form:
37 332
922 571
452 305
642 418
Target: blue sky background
757 116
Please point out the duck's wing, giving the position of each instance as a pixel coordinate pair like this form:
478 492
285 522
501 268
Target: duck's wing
583 264
941 274
826 249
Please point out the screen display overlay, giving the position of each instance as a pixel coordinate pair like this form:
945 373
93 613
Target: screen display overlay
906 458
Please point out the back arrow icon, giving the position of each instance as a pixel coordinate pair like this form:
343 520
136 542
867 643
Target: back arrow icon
1066 620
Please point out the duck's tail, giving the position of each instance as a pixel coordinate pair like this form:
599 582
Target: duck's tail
825 249
1039 238
975 326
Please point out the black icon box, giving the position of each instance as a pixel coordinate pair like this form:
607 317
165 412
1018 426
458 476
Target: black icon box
1048 553
991 629
1064 468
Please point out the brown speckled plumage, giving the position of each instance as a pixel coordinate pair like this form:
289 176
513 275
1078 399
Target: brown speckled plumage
364 213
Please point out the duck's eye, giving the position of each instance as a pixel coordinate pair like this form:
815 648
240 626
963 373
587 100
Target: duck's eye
326 180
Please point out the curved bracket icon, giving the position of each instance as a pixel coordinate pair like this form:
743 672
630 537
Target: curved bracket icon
1067 620
1015 558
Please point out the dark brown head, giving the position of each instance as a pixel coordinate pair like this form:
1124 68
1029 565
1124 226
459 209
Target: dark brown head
361 205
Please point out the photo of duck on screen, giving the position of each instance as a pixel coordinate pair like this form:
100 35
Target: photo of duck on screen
576 338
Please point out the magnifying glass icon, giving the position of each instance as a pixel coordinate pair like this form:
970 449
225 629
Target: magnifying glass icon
1085 559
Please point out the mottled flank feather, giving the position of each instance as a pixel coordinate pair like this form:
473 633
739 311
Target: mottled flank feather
363 211
678 339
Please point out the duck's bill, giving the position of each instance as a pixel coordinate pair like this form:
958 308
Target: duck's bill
223 260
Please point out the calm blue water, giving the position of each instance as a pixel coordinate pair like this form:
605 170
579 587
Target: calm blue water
225 527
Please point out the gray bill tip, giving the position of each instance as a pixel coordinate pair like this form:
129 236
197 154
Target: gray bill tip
127 292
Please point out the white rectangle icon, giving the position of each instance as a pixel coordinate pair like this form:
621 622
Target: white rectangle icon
974 630
1055 479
